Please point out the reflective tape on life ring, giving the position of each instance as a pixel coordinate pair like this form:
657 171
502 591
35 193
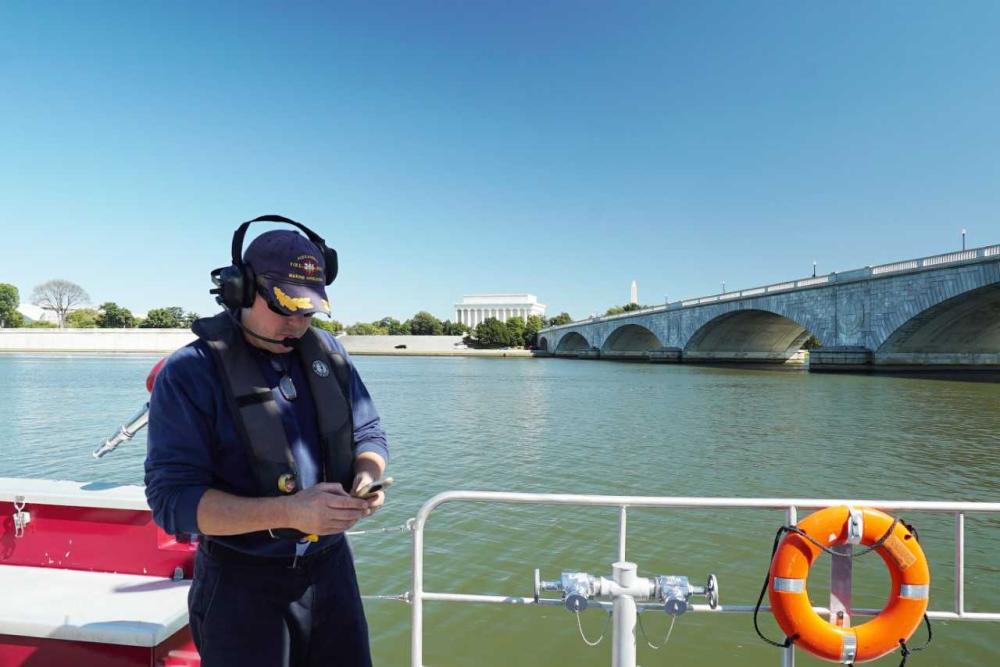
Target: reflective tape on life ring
879 636
789 585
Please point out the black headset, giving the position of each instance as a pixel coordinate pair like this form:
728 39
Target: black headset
236 284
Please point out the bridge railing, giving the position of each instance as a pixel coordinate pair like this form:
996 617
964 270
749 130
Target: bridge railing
932 261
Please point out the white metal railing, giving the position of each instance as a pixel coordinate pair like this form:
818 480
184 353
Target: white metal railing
867 272
790 507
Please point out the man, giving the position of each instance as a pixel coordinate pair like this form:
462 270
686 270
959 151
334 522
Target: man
247 428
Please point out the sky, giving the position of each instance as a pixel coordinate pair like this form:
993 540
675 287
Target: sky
562 149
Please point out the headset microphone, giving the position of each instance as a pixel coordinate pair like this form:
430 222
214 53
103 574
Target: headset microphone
287 342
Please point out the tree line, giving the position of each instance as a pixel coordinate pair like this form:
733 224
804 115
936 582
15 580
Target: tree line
515 332
67 301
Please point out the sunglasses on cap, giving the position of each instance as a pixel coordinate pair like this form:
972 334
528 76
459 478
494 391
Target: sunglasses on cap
270 303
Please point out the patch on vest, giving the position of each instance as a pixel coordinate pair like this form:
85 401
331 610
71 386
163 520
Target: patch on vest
320 368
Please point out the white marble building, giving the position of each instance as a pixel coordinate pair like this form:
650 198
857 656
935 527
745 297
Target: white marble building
475 308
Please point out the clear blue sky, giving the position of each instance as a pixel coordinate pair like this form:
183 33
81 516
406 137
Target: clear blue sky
445 148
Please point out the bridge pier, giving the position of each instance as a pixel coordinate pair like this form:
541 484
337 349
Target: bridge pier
666 355
936 361
797 357
625 355
840 358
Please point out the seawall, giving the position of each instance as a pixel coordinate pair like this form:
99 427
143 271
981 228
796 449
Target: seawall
163 341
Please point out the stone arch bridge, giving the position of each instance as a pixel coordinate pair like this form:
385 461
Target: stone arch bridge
934 312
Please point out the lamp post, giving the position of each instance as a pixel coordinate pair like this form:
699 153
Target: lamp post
723 286
963 239
814 268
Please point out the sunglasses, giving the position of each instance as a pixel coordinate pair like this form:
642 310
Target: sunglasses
285 384
270 304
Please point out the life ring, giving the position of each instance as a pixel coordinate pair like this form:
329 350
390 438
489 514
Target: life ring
898 619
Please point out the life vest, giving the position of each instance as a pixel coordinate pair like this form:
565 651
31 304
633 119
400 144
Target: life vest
255 410
908 598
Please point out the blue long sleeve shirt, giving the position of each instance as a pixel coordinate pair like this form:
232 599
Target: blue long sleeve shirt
193 443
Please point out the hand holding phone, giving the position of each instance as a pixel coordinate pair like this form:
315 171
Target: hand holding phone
369 490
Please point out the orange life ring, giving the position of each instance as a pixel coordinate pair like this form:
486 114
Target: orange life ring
898 619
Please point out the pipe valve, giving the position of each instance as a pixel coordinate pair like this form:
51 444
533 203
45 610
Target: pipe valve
675 591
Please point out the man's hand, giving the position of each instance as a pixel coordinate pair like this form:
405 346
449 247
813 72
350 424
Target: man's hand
325 509
368 467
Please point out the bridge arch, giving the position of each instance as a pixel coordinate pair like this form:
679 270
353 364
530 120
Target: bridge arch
543 344
631 338
967 324
747 335
572 342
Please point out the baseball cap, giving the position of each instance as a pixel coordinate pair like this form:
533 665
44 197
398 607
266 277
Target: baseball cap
291 273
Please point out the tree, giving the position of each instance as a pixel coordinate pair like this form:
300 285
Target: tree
112 316
454 328
82 318
189 318
627 308
491 332
515 331
811 343
559 320
534 324
9 301
366 329
333 326
171 317
393 326
59 296
425 324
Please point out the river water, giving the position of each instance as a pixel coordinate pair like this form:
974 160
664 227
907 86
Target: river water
553 425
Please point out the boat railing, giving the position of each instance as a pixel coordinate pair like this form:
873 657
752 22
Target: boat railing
623 647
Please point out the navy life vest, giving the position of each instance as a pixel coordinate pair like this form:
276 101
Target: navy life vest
255 410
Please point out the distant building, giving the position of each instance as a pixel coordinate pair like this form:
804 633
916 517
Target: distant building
634 294
475 308
33 313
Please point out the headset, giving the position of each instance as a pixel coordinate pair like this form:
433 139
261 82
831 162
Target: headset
236 284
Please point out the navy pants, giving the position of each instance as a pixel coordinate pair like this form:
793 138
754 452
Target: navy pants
266 614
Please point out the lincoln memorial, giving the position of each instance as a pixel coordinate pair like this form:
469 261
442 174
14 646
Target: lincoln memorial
477 307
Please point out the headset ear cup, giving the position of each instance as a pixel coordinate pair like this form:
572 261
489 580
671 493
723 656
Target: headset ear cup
230 286
249 286
330 257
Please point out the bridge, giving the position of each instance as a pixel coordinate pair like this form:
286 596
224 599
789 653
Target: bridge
940 312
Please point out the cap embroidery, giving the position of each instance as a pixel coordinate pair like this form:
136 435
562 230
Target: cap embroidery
305 267
292 303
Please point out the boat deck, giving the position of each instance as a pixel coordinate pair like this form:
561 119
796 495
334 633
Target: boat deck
103 607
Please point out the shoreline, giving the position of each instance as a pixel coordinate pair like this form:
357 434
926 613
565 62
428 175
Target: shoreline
356 353
165 341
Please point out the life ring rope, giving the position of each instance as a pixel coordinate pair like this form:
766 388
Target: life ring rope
905 650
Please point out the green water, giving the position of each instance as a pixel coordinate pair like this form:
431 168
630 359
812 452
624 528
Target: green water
598 427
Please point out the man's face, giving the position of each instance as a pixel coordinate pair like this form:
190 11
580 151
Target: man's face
263 321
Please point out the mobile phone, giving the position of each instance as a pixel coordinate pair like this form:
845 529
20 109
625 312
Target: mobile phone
371 489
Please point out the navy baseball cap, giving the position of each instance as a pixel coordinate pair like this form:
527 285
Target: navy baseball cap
291 273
